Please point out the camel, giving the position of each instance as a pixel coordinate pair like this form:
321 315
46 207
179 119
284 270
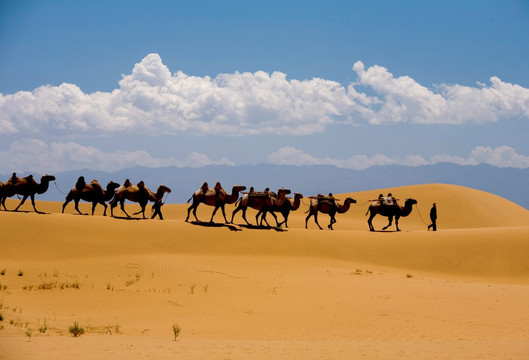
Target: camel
216 197
137 193
27 187
93 193
263 202
327 205
389 211
287 207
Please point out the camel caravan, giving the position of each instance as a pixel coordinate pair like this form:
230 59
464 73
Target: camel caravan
264 202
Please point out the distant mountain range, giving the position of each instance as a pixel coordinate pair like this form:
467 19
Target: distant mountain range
509 183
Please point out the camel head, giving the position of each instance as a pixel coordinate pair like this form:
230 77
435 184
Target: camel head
164 188
350 200
298 195
112 184
283 191
238 188
410 202
47 178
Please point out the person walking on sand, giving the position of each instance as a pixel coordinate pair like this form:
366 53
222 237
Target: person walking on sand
433 217
157 208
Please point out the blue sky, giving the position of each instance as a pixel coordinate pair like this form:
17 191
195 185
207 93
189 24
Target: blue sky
110 85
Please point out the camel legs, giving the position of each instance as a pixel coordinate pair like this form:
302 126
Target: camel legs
397 223
315 213
243 214
69 198
77 207
194 208
333 220
122 207
32 203
285 219
263 213
223 213
142 211
390 218
369 222
104 205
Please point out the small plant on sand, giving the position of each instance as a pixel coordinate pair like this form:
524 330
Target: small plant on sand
20 272
76 330
3 272
43 328
192 289
176 331
29 333
1 317
409 276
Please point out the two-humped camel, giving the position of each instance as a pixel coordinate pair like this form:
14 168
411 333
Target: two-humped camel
327 205
264 202
137 193
216 197
389 211
93 193
289 206
26 187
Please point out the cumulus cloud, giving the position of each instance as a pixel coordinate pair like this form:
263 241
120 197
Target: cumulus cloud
402 99
503 156
151 100
35 155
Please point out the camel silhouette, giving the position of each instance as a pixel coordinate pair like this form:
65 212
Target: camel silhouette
390 211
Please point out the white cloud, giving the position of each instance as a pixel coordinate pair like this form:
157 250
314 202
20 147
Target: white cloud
152 101
503 156
37 156
402 99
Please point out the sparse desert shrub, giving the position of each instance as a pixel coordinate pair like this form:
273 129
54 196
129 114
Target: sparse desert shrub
29 333
43 328
176 330
20 272
3 272
1 317
76 330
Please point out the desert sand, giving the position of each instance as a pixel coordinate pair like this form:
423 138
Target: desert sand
241 293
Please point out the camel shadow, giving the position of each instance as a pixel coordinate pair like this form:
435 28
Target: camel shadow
212 224
262 227
127 218
386 231
27 212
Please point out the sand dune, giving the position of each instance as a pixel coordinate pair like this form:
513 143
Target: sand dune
460 292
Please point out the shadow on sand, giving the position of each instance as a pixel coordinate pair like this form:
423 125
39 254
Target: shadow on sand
212 224
127 218
262 227
27 212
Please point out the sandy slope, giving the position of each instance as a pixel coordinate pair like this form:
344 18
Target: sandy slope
458 293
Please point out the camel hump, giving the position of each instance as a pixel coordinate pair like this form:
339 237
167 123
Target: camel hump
94 182
204 187
141 184
218 186
127 183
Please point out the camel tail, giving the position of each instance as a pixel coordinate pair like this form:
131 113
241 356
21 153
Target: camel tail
189 199
367 212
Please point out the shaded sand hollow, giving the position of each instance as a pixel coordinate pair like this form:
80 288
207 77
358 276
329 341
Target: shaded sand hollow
459 293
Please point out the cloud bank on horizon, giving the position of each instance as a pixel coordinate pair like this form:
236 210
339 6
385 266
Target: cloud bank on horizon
152 101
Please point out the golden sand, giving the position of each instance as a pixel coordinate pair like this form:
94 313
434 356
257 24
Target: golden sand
461 292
